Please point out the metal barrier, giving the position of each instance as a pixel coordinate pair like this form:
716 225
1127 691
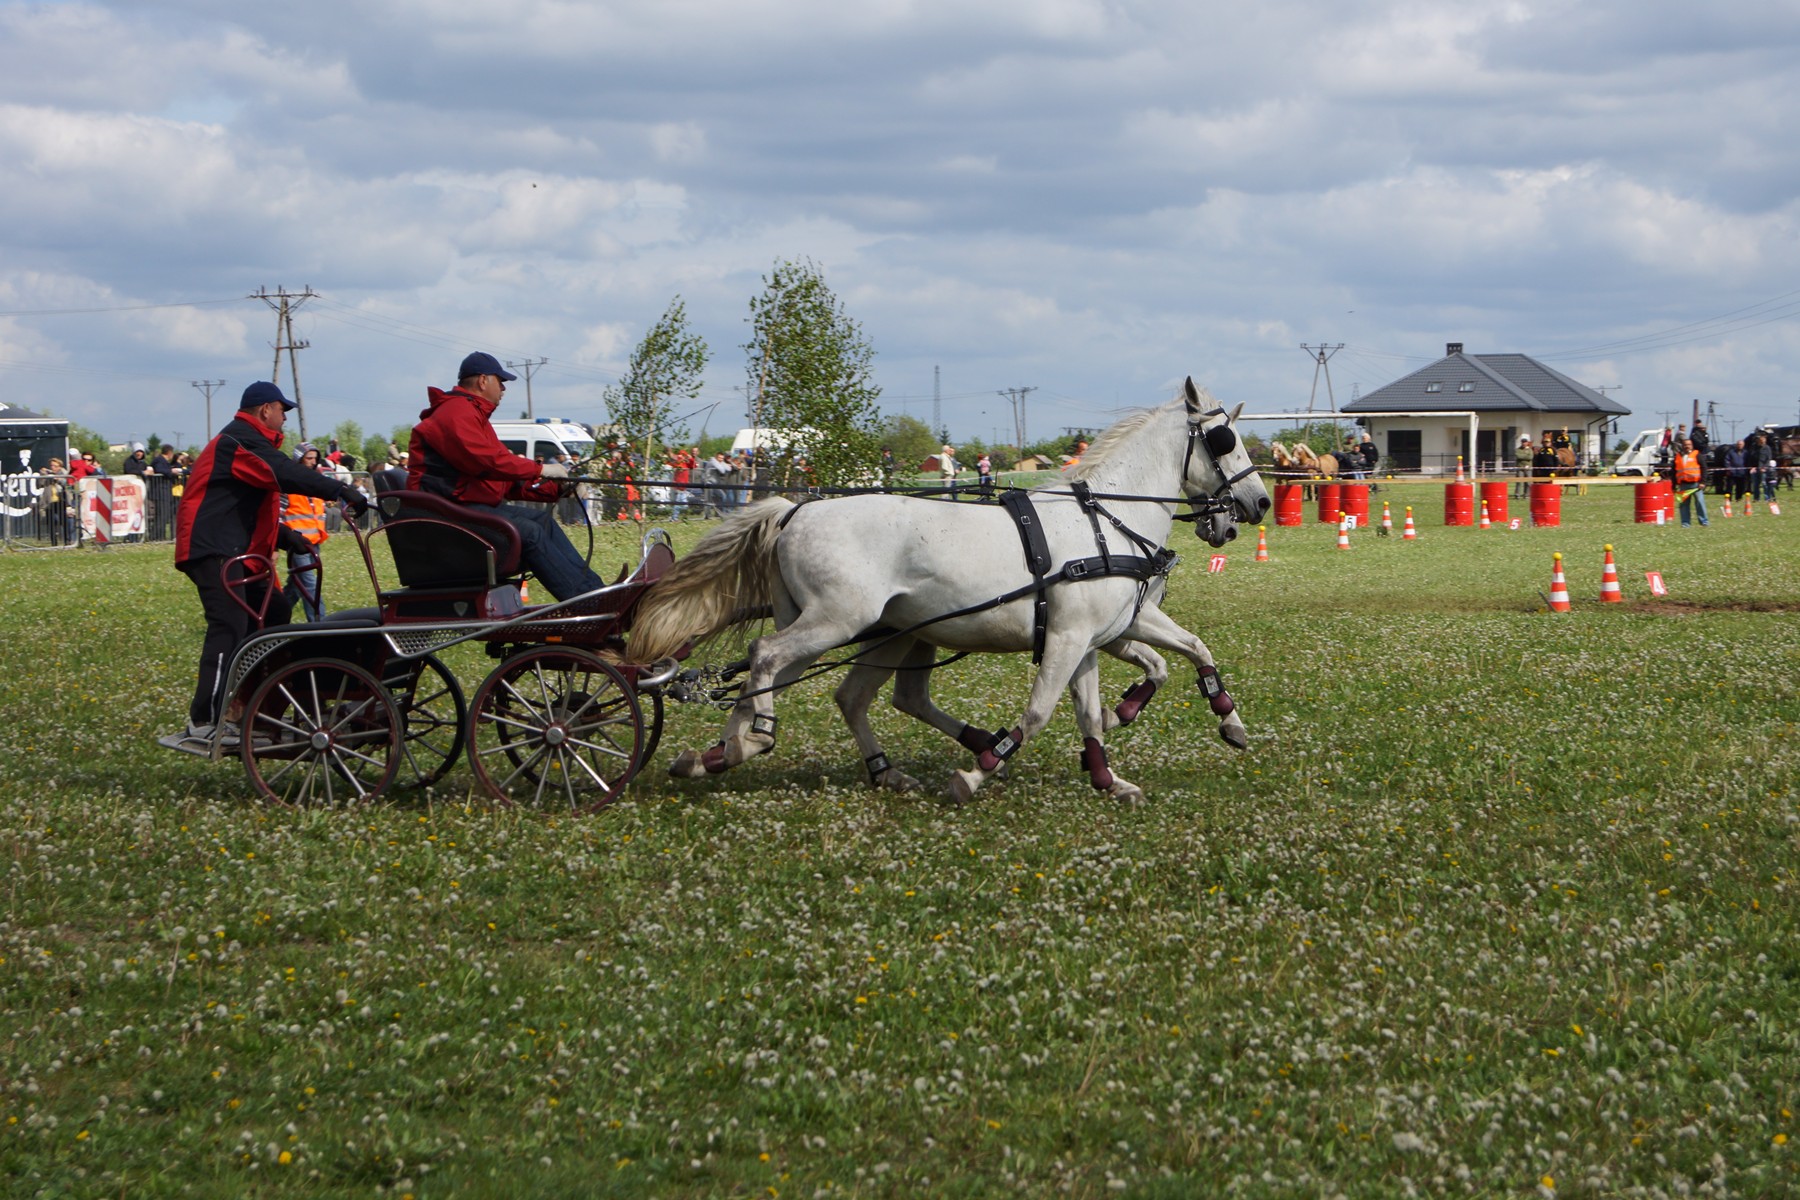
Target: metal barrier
39 511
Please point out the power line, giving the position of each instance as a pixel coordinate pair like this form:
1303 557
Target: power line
284 303
81 312
1016 397
1321 356
529 366
207 386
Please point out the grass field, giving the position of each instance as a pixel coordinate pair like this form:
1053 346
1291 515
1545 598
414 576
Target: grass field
1497 903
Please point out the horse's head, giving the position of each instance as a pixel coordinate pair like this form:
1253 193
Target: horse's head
1218 478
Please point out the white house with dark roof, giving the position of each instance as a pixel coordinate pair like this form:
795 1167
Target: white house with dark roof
1423 422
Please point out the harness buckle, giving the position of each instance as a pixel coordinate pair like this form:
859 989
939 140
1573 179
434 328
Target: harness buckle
1077 568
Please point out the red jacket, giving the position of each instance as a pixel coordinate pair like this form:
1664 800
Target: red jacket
454 452
232 502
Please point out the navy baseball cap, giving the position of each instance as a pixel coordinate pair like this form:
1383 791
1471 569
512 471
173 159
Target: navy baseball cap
483 363
263 392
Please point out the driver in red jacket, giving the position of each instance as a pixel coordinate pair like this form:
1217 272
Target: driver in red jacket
455 453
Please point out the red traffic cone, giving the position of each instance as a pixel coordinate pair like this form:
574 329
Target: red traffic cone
1262 543
1409 533
1609 581
1459 473
1387 518
1343 530
1485 523
1559 589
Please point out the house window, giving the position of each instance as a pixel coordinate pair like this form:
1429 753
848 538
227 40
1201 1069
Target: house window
1434 387
1465 387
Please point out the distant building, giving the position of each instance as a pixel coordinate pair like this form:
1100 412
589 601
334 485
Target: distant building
1511 396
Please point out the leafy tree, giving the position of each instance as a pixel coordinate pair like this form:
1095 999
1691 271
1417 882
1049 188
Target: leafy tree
667 367
809 369
910 439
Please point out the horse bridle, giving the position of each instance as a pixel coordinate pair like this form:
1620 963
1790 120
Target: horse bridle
1218 441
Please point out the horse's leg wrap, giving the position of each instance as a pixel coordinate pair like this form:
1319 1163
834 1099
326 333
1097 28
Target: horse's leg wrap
975 741
764 723
878 765
1215 692
713 759
1136 696
1093 758
1005 746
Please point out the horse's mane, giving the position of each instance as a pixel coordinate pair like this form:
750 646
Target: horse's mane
1102 447
1304 456
1282 458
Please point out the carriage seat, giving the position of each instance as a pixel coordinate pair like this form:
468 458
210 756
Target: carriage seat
454 562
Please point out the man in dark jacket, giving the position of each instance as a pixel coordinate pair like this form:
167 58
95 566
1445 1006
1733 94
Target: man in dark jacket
455 453
232 506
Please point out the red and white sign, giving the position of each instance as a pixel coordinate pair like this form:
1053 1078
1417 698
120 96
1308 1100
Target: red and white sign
1656 583
1349 520
1217 564
1513 524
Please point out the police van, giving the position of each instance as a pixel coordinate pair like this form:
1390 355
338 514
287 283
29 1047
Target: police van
546 438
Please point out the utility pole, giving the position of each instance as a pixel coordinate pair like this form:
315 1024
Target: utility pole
529 366
1016 397
937 404
284 303
1321 356
207 386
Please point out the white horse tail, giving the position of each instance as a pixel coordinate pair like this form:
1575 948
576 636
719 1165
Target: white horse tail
723 581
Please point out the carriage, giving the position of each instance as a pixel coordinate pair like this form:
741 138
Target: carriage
364 703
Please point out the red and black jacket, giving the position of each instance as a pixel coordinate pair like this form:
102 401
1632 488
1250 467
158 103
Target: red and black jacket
232 502
456 453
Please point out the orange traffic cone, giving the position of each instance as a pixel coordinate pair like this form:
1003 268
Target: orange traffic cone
1774 509
1559 589
1409 533
1749 506
1728 508
1387 519
1343 530
1609 581
1485 523
524 591
1262 543
1459 473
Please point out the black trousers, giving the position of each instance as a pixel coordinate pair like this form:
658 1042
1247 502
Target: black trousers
227 627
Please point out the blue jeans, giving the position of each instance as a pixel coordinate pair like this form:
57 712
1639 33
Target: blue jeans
1697 500
546 550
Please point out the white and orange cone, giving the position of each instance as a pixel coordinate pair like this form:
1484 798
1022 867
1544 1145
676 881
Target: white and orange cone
1774 509
524 591
1728 508
1262 543
1387 518
1559 588
1343 530
1409 533
1485 523
1749 507
1609 581
1459 471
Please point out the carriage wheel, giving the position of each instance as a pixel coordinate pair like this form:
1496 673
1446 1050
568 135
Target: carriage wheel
320 732
653 719
555 728
432 712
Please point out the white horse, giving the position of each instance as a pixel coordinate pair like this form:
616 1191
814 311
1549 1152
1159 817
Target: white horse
954 576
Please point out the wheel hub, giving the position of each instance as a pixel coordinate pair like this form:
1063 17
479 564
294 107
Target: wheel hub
320 740
555 735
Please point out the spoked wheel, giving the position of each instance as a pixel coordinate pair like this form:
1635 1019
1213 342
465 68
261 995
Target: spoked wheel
432 715
653 718
320 732
555 728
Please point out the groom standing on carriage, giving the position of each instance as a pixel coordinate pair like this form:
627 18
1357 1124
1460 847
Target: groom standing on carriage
455 453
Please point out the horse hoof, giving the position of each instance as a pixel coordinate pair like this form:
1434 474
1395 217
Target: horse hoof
746 746
1125 793
1235 735
687 765
896 780
962 786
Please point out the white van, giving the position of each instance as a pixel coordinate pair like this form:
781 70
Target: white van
545 438
1643 456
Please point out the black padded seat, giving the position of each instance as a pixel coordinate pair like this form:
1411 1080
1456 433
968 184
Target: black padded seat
348 618
438 543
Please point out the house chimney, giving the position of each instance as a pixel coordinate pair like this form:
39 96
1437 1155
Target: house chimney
1452 347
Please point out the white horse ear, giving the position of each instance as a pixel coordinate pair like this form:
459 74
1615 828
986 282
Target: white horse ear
1234 413
1193 395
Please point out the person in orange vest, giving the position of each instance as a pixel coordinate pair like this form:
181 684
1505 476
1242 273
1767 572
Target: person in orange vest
305 515
1690 481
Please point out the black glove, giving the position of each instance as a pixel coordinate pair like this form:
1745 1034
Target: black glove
358 502
288 538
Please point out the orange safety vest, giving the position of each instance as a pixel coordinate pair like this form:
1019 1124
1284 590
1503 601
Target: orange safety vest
306 514
1687 467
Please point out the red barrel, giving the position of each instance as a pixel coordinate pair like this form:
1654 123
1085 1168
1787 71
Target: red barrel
1330 501
1353 498
1650 500
1288 504
1494 496
1546 504
1459 504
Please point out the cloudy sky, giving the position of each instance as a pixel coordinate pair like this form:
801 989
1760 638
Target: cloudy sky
1089 197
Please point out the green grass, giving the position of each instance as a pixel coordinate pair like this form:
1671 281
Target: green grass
1495 897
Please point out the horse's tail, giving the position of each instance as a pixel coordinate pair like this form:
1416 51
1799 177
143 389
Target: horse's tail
723 581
